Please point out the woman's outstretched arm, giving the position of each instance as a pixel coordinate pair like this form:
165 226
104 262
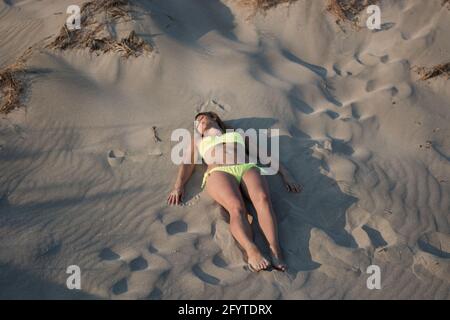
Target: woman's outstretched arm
184 173
288 180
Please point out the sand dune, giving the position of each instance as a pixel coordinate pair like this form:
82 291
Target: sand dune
368 139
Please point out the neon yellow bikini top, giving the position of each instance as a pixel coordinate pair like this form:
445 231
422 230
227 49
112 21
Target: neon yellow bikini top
211 141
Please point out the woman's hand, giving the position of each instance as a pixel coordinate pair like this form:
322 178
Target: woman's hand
291 185
289 182
175 197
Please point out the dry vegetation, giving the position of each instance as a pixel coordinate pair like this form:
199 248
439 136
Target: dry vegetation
98 19
262 5
433 72
11 89
12 84
348 10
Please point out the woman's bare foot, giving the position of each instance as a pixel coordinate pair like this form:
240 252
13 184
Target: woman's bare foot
256 261
277 259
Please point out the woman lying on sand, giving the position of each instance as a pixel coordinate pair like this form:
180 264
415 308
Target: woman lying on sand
226 183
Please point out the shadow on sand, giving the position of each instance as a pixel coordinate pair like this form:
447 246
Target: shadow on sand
21 284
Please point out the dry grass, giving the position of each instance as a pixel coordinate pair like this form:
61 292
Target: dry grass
11 88
348 10
262 4
12 84
96 34
129 46
436 71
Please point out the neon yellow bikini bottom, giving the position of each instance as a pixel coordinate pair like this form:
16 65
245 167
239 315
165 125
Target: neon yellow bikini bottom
236 171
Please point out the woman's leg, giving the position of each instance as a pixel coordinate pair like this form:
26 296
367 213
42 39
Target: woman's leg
257 189
224 189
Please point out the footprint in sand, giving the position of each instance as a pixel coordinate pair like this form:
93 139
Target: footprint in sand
155 294
138 264
349 68
371 231
155 152
426 263
355 110
116 157
384 59
435 243
214 105
218 261
175 227
376 238
120 287
135 264
152 249
333 115
367 59
336 259
108 255
385 27
139 277
370 86
205 277
221 107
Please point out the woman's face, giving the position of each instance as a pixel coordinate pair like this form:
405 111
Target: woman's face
204 123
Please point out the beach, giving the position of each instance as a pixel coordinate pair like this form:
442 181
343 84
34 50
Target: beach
85 147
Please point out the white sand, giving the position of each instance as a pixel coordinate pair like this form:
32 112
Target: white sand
352 116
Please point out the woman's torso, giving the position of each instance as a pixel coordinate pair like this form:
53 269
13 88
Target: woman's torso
224 149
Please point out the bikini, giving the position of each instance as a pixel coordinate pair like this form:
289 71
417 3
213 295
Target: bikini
237 170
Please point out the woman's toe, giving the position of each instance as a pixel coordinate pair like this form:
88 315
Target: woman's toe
254 268
265 264
283 267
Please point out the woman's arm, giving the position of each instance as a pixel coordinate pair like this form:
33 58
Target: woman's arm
288 180
184 173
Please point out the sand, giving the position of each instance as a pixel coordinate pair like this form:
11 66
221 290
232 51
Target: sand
368 140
